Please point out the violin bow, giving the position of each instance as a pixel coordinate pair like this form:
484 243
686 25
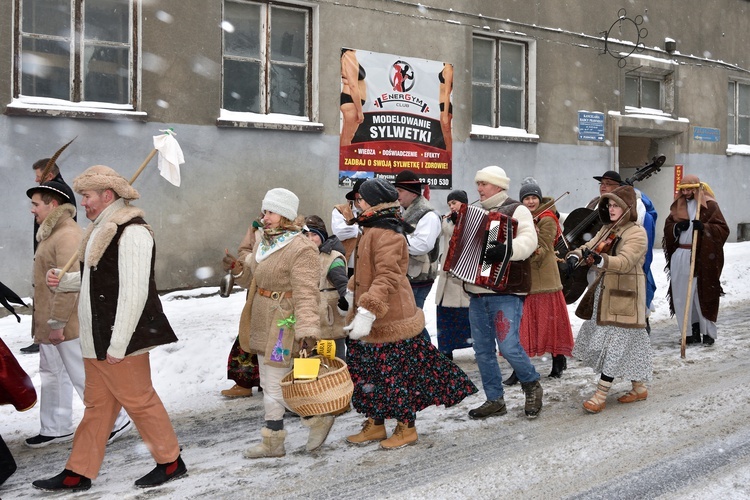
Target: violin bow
549 204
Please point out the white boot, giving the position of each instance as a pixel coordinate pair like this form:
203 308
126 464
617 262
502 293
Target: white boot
272 445
319 426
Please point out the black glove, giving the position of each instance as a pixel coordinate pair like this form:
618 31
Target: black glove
453 217
697 225
343 304
495 252
682 226
572 262
595 257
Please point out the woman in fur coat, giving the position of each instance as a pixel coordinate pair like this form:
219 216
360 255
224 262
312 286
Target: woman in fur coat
613 339
281 312
396 371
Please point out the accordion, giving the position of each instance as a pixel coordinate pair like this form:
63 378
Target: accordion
475 229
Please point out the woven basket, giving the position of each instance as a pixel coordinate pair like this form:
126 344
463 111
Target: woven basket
330 392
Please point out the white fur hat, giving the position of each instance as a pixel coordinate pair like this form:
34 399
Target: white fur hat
281 201
100 177
493 175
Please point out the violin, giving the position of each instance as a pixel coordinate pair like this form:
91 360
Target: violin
580 226
604 246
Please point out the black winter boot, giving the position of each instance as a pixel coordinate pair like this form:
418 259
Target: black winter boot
512 380
163 473
559 364
696 337
65 481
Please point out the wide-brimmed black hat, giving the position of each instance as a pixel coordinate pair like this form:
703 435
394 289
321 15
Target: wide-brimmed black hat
611 175
355 188
408 180
55 187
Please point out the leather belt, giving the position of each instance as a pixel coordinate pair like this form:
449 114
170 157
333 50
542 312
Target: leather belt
273 295
686 247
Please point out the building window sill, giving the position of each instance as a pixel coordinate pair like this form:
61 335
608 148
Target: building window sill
66 109
232 119
507 134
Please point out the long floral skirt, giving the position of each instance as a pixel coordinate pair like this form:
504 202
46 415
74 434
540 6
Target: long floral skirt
613 350
242 367
397 379
453 328
545 325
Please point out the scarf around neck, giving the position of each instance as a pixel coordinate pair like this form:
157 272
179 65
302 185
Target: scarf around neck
273 240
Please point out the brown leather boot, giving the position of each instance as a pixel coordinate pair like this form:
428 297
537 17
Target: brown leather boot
237 392
370 432
599 400
637 393
402 436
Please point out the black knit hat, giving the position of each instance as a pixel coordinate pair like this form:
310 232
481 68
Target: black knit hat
458 195
408 180
529 187
355 188
316 225
377 191
53 187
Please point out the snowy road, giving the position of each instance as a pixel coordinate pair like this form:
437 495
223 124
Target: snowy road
690 439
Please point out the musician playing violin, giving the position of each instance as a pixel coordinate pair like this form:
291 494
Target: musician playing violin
545 326
613 339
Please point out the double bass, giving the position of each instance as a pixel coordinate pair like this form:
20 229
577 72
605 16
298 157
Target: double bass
580 226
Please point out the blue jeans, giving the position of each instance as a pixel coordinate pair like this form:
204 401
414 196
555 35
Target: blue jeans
495 319
420 295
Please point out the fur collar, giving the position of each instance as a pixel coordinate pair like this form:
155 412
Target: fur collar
107 230
49 223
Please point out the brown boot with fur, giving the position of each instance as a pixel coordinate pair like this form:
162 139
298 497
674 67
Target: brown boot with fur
637 393
402 436
271 445
370 432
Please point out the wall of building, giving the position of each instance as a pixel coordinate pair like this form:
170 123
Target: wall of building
228 170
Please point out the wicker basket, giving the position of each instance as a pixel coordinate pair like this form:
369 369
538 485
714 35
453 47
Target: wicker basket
330 392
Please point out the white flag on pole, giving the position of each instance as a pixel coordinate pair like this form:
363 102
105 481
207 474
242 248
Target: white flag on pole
170 156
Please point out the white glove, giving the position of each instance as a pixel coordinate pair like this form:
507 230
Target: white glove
361 325
349 295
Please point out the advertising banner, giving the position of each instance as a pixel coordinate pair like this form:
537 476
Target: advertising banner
396 114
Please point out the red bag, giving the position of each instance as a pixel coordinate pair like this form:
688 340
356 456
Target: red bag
15 385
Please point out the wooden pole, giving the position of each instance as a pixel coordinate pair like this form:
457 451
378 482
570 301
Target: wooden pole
688 302
72 260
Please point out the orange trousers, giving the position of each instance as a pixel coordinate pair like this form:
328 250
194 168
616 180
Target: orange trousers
126 384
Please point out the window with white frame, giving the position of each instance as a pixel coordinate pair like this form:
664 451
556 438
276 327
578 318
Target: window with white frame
266 58
499 83
738 119
642 92
80 51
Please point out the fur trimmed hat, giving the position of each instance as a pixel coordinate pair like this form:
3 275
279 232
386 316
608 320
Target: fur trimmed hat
530 187
281 201
101 177
493 175
377 191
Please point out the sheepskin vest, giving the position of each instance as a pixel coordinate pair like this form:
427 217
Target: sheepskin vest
153 328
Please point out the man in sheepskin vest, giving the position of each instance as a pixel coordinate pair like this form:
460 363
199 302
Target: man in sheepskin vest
121 320
54 325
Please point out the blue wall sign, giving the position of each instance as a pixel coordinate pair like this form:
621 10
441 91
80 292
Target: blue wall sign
590 126
706 134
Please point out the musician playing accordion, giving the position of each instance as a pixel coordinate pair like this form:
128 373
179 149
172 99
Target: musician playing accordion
495 313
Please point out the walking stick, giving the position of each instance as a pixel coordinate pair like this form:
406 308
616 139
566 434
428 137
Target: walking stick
688 305
72 260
